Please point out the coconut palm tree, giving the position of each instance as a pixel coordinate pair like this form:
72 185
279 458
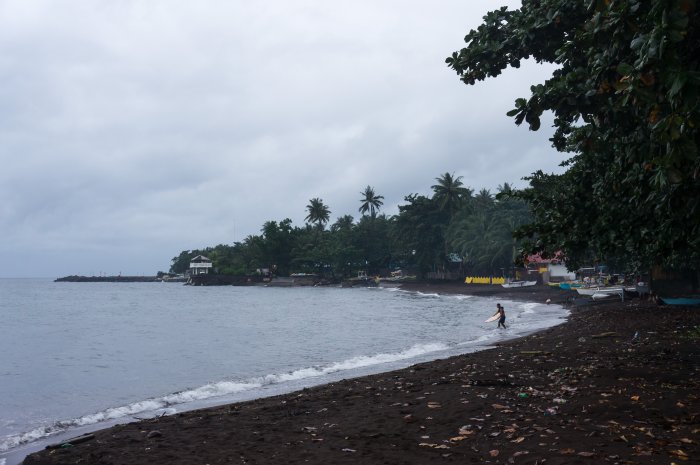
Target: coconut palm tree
450 193
371 202
344 223
318 212
484 239
483 200
505 189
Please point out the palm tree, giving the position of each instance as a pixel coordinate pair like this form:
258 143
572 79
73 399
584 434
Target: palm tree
505 189
344 223
484 239
370 201
318 212
450 192
483 200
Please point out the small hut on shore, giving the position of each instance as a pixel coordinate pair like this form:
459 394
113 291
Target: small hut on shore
200 265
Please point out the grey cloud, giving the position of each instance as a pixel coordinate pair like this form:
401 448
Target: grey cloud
131 130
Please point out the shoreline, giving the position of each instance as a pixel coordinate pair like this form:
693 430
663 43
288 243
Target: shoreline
386 417
399 361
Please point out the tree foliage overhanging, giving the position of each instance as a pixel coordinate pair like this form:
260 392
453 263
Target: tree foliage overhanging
625 102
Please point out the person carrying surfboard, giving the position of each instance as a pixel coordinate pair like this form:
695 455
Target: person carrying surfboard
501 312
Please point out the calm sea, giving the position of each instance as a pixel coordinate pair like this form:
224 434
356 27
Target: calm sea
82 356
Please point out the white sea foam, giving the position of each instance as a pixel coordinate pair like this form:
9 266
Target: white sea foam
425 294
529 307
15 440
391 289
363 361
480 340
208 391
223 388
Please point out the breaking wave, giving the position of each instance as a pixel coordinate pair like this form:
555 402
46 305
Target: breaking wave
164 405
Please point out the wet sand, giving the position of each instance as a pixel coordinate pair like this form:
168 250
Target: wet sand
617 383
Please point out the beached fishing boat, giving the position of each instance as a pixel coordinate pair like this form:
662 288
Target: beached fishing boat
518 284
570 285
598 290
604 294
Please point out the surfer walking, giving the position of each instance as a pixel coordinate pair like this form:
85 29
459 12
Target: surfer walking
501 312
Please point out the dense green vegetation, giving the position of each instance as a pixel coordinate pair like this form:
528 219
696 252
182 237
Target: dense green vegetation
626 107
452 230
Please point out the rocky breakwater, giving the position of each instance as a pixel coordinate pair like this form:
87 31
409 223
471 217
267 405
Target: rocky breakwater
107 279
225 280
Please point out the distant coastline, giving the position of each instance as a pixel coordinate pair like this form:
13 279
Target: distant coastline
107 279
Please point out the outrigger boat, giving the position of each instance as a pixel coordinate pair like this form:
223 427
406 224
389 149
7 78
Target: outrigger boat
519 284
602 290
609 292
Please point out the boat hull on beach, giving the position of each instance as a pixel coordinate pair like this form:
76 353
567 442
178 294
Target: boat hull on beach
514 284
598 290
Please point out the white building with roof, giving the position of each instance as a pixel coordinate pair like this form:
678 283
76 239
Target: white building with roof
200 265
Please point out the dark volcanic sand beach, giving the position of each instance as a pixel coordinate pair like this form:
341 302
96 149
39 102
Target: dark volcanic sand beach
584 392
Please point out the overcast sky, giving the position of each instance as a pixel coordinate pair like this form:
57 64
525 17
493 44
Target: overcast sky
133 129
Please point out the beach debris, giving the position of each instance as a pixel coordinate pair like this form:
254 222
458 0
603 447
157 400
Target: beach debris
559 400
458 438
154 434
518 440
309 429
410 418
433 446
348 450
466 430
522 395
567 451
71 442
494 452
550 411
434 405
679 453
487 382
